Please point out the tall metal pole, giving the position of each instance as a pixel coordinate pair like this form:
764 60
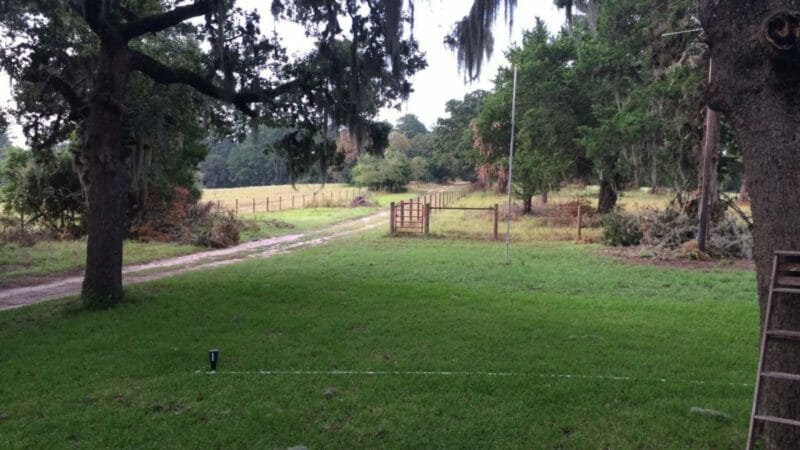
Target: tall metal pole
511 158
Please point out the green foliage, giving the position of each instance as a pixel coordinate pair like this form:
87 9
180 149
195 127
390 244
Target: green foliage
608 101
251 162
45 192
389 173
419 169
550 107
620 229
454 155
410 126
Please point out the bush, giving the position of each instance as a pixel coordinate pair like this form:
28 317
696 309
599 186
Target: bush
621 229
391 173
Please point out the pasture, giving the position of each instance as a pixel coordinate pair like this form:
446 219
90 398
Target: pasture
379 342
255 199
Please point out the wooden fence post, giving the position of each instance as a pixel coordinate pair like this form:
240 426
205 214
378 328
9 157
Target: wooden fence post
280 205
237 208
402 214
304 201
427 219
496 219
254 206
267 204
391 219
580 219
292 201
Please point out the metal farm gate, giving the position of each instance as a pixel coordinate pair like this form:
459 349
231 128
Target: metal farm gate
409 216
413 216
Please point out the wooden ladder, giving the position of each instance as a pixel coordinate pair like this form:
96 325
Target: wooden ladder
785 280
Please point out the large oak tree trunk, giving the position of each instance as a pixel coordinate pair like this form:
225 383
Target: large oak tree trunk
107 182
755 49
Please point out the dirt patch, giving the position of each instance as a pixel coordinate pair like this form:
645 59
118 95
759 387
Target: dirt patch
34 280
634 255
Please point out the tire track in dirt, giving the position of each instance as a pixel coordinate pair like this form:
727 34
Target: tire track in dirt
155 270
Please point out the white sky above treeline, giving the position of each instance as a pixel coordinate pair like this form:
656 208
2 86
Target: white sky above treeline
440 81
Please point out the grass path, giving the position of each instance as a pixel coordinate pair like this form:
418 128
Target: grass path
139 273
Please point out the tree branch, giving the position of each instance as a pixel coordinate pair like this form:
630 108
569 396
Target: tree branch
159 22
76 102
164 74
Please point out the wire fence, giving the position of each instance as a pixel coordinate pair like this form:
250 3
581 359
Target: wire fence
276 203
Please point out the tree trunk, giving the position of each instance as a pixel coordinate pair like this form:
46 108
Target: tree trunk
107 189
744 195
527 204
755 50
608 197
653 167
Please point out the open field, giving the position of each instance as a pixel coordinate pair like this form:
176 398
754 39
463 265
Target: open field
255 199
262 199
563 348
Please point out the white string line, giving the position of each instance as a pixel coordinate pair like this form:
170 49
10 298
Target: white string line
464 373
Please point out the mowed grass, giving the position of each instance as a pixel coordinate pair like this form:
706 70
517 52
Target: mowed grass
561 319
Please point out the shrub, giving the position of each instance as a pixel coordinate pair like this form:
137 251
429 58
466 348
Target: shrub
391 173
621 229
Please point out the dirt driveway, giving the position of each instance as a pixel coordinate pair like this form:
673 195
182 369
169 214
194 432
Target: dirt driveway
264 248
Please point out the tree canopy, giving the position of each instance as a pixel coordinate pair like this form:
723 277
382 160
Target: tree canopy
74 64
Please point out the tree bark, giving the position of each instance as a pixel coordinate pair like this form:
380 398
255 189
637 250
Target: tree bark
653 167
608 197
107 181
527 204
754 45
744 195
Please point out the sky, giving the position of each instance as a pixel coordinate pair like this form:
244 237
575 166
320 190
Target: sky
441 80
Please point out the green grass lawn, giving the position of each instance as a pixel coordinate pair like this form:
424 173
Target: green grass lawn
132 377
